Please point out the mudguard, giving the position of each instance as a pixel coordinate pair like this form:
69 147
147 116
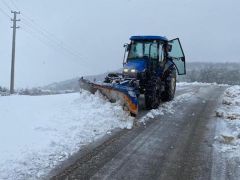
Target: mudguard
114 92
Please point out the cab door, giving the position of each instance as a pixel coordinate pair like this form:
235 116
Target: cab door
177 55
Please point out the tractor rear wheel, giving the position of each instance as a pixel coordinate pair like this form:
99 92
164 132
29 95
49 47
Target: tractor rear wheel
170 88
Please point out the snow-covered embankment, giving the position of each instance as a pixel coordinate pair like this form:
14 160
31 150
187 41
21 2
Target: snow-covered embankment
227 141
229 119
38 132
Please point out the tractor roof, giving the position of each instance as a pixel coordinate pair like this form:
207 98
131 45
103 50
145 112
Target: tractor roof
161 38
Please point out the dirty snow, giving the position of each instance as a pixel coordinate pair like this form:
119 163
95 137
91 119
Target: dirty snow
227 140
166 108
38 132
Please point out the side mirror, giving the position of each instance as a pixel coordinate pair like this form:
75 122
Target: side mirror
127 47
169 48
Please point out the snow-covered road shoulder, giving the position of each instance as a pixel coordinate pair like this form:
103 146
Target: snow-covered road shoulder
38 132
229 117
226 152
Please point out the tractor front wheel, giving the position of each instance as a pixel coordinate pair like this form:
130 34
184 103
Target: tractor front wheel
152 97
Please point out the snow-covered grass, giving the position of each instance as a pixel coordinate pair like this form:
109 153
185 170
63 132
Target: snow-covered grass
228 126
38 132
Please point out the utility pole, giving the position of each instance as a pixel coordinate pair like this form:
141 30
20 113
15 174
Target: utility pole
14 20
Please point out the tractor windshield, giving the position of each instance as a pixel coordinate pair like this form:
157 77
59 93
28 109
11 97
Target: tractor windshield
144 49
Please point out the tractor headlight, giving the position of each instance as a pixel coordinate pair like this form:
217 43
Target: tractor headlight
131 73
125 70
133 70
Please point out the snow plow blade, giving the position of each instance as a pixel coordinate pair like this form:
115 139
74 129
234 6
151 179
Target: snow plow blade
114 92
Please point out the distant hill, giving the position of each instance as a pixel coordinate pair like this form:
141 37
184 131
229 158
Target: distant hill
72 84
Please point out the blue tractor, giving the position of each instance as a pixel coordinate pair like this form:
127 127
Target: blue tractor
150 67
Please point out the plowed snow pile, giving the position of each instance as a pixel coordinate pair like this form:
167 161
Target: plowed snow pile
36 133
227 141
229 116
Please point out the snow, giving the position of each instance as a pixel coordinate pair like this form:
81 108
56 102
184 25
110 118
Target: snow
228 126
38 132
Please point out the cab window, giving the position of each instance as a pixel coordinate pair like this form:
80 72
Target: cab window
144 49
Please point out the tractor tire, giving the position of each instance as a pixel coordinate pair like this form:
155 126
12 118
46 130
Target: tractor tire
148 102
152 96
170 88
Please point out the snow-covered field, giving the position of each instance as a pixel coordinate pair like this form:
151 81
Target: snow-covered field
227 140
37 132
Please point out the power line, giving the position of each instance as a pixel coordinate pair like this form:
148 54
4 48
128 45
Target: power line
44 32
31 33
45 40
7 5
14 4
50 35
4 13
40 35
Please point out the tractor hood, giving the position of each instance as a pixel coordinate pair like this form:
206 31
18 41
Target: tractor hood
139 65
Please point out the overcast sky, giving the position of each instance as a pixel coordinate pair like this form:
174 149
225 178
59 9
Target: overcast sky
62 39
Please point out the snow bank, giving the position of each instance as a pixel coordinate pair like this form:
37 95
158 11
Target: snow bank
228 127
38 132
180 84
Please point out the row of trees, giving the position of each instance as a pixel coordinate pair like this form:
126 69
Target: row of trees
32 92
39 92
4 91
221 73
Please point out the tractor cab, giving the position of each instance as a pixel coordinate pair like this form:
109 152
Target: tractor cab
150 53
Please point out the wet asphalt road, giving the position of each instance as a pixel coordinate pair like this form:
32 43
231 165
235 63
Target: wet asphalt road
170 147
